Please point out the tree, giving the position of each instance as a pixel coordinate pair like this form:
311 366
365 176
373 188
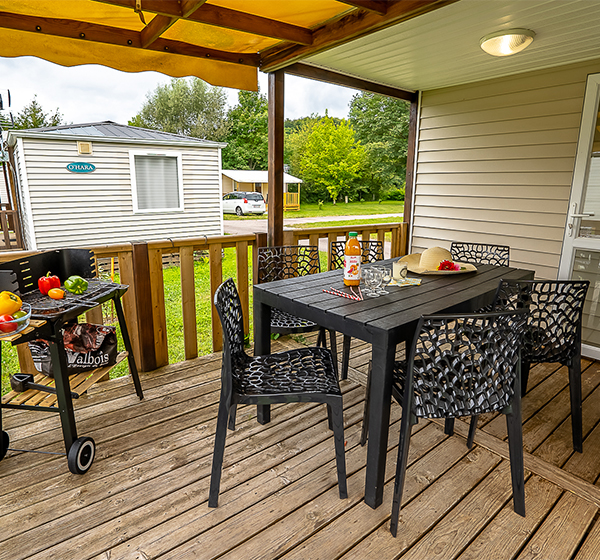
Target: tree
247 140
33 116
329 157
381 125
188 107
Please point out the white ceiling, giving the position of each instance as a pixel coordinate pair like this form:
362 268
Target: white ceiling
441 48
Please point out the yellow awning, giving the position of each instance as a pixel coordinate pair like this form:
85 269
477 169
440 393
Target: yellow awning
223 42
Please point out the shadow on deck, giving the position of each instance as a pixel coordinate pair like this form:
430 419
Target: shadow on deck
146 495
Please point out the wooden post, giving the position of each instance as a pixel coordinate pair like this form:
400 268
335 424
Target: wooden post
143 304
129 302
188 302
276 137
261 241
241 256
216 278
159 318
410 160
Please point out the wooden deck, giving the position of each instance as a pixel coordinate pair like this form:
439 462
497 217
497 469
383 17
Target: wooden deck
145 497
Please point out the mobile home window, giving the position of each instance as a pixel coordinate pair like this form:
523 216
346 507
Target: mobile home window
156 182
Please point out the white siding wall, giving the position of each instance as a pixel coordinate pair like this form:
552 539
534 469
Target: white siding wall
495 163
82 209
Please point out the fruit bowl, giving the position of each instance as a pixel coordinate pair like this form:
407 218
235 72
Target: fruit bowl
10 328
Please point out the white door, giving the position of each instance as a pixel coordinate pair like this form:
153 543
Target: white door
580 259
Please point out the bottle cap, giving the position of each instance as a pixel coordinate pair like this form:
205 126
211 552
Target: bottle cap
353 234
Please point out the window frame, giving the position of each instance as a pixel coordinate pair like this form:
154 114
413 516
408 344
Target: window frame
134 187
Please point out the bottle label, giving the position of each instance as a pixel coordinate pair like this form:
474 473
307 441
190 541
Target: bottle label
352 267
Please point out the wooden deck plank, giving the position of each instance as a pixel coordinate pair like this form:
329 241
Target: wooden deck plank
145 496
562 531
508 532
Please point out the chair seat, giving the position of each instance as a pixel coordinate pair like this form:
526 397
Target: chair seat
286 323
304 370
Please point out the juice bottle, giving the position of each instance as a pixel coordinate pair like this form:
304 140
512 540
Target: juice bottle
352 260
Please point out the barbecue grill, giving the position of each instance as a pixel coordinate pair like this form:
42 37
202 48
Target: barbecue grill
48 317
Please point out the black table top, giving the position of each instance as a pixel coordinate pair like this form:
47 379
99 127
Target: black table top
394 315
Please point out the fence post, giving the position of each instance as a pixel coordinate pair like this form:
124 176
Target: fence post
216 278
143 306
260 241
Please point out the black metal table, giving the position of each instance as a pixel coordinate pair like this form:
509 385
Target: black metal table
384 322
21 277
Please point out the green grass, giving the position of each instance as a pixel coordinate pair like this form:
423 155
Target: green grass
329 209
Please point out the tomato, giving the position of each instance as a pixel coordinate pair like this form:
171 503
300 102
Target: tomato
7 323
56 293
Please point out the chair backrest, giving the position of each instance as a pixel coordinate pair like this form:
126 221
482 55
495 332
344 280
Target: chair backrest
555 307
229 308
478 253
371 251
463 365
287 261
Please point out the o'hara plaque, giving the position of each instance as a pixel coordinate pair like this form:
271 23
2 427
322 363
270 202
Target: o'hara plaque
81 167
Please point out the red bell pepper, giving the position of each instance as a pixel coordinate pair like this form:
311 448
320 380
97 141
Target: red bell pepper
46 283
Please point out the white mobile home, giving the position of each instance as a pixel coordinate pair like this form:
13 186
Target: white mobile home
78 185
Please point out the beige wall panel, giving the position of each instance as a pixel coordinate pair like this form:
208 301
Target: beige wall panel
537 138
495 163
550 77
493 203
474 165
533 96
517 192
534 152
550 123
496 178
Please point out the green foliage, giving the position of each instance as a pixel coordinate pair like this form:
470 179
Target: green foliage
394 194
33 116
188 107
247 141
381 125
328 157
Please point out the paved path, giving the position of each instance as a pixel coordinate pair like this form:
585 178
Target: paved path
242 227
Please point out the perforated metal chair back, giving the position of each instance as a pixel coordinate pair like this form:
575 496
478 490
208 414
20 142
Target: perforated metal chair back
287 261
372 251
553 331
462 365
479 253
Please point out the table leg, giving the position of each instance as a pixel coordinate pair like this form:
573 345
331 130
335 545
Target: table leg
63 390
262 345
383 354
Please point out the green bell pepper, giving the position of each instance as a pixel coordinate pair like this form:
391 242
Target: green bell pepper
76 284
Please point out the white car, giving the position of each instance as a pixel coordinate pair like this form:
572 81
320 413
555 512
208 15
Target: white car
241 203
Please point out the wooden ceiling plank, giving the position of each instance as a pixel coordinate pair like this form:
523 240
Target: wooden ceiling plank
377 6
322 75
357 23
85 31
190 6
155 29
226 18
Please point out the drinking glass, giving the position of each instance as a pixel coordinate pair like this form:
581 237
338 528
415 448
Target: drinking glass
375 281
370 279
386 278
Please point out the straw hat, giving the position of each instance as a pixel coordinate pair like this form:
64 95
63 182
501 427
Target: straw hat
429 261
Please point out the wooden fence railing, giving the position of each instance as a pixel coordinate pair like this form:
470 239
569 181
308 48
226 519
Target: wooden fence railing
140 266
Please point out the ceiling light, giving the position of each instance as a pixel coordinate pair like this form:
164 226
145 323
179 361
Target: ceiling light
505 43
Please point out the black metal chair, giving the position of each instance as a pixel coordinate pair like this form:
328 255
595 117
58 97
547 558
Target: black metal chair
460 365
302 375
479 253
553 332
372 251
290 261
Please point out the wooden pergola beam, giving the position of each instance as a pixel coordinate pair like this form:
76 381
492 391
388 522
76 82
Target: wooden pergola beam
348 27
161 23
84 31
377 6
322 75
226 18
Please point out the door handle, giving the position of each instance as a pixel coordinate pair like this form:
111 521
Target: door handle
583 215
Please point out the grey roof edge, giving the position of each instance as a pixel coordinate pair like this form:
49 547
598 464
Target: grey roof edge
55 132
